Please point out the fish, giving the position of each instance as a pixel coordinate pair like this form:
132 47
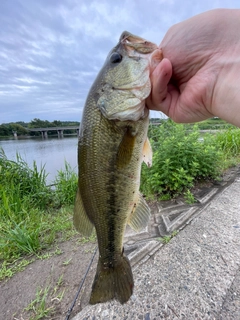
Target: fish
112 145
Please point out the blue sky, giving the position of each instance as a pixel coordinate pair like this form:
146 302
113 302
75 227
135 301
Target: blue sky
52 50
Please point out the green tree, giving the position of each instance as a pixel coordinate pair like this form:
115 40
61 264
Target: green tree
7 129
37 123
4 130
56 123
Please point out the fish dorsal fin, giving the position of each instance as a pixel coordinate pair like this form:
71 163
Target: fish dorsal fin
80 219
147 153
140 214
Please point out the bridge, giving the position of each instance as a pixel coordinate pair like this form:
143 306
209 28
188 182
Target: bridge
60 130
44 131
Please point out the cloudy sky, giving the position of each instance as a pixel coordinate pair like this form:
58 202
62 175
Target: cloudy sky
52 50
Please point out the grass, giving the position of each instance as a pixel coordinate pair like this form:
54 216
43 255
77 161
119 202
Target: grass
229 141
9 269
39 307
189 197
66 262
66 185
166 239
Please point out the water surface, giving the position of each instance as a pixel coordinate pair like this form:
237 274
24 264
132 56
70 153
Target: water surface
51 152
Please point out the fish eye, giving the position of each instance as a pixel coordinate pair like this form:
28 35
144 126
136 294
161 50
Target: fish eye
115 57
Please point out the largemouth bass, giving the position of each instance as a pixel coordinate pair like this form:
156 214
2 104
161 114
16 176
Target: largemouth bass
112 145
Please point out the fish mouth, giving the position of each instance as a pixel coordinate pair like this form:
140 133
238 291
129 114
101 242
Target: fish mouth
137 48
138 44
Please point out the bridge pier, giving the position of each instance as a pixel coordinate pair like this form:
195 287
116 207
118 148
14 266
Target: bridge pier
60 133
77 132
15 134
44 134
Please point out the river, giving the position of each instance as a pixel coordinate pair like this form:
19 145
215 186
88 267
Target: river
51 152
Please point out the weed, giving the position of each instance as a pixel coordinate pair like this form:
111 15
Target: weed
59 296
45 256
66 262
5 271
60 281
8 269
58 251
166 239
92 238
189 197
48 255
24 240
179 159
39 304
164 197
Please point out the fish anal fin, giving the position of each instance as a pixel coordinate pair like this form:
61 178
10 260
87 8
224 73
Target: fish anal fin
80 219
140 215
147 153
113 282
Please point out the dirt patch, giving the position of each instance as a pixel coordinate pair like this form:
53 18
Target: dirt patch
58 277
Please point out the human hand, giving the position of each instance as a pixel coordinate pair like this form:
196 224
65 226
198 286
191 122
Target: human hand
199 76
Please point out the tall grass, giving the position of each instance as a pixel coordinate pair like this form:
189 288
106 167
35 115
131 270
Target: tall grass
30 217
229 141
31 183
66 185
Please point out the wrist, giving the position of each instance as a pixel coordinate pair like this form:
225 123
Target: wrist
226 95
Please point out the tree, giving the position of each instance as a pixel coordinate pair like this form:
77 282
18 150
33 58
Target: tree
37 123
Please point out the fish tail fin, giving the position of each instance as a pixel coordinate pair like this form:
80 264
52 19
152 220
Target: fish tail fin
113 281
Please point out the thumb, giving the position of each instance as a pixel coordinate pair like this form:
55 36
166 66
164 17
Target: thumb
159 98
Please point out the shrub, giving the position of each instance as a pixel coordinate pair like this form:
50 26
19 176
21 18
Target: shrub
180 157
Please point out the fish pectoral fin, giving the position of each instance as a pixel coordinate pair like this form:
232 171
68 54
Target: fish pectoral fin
80 219
147 153
125 149
140 214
